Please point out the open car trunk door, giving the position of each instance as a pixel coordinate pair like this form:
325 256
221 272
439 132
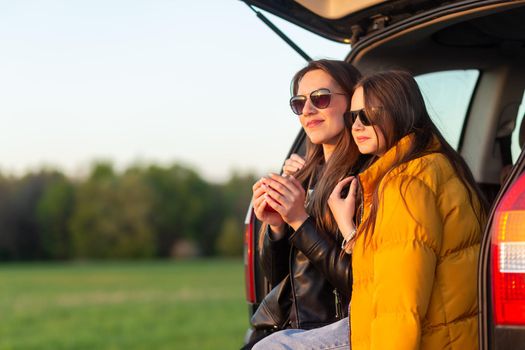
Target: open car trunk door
346 21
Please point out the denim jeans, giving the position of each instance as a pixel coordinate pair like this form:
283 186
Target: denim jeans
333 336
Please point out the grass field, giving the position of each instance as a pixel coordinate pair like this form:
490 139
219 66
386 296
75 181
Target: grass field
145 305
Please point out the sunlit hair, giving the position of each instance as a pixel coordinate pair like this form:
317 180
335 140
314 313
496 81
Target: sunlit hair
343 160
400 111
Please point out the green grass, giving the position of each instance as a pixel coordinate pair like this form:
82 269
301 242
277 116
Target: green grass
144 305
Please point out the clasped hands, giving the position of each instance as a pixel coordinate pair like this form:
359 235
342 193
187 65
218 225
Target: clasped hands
283 194
280 199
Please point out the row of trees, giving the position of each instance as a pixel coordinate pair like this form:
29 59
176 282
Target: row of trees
143 212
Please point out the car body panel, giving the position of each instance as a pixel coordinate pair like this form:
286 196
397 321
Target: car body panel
346 21
491 336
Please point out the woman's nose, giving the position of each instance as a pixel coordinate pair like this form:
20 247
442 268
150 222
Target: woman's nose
357 125
309 108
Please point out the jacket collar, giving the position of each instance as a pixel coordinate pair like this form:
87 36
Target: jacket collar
370 177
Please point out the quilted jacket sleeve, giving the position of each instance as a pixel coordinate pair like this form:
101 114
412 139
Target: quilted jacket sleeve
407 237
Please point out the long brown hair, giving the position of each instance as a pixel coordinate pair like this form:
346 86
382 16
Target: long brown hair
343 160
401 111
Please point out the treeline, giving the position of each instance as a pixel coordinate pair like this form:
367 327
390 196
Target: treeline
142 212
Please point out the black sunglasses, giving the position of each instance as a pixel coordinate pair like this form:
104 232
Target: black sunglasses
363 116
320 98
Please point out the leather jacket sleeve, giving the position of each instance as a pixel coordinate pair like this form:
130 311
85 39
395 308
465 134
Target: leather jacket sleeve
274 257
325 253
273 312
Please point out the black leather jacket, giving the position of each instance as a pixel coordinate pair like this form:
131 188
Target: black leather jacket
311 279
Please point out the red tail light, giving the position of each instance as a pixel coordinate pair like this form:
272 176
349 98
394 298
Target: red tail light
249 276
508 257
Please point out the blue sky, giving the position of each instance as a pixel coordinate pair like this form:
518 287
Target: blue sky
205 83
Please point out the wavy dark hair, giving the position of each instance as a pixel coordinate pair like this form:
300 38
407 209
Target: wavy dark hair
400 111
345 157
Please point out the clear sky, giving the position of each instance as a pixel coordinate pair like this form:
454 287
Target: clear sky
204 83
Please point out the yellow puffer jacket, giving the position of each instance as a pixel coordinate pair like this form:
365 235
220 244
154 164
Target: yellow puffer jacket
415 280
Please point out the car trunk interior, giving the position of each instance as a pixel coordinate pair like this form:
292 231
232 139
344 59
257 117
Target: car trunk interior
491 40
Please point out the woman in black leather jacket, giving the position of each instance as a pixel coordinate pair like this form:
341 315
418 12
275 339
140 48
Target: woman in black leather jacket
299 244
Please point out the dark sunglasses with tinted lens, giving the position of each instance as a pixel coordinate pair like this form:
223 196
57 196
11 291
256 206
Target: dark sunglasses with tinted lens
363 117
320 98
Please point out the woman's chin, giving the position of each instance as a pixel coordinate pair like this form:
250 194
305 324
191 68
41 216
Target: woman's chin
318 139
365 150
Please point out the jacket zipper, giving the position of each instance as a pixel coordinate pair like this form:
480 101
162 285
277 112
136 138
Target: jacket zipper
361 208
338 306
359 220
293 288
290 261
337 300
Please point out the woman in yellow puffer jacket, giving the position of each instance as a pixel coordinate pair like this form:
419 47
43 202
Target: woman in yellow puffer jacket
416 241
